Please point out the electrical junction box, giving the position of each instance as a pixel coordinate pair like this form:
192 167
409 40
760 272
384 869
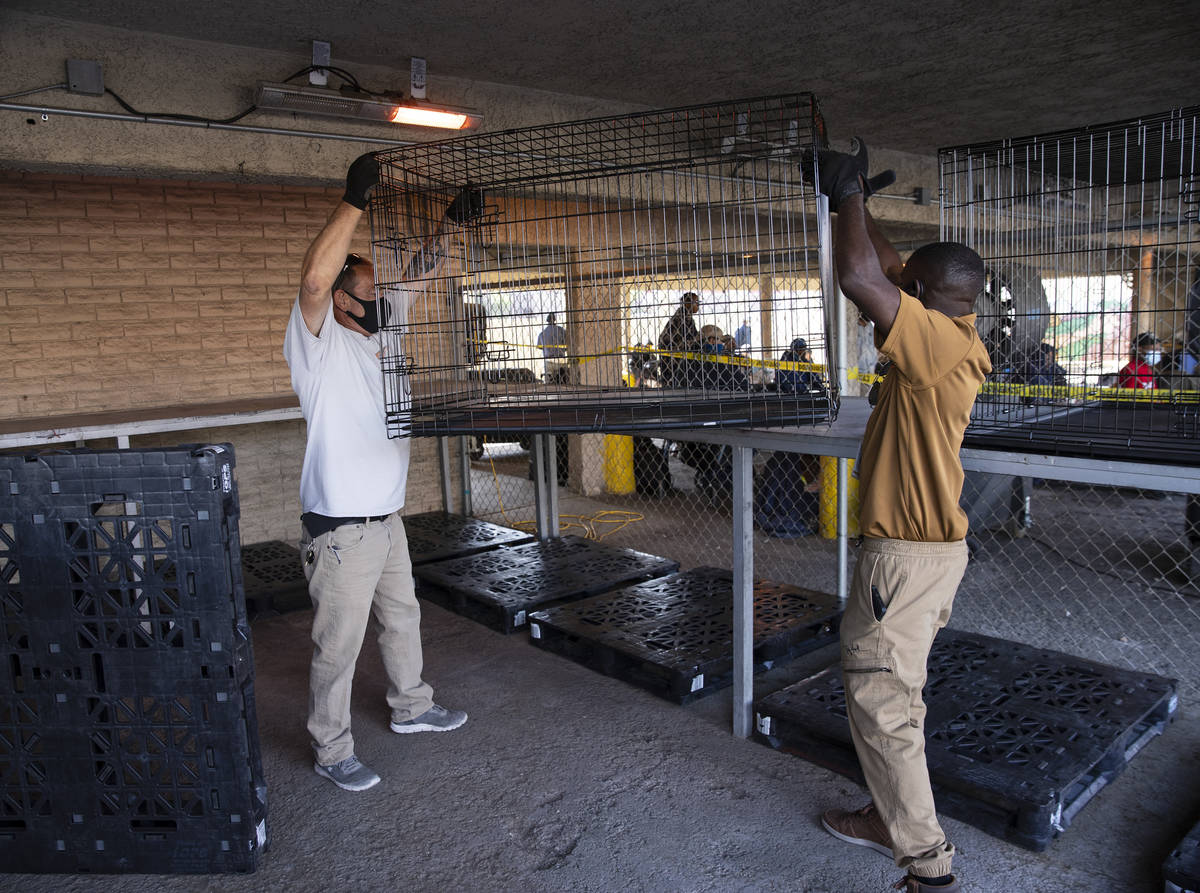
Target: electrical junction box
85 77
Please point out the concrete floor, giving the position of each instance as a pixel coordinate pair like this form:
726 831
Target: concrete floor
567 780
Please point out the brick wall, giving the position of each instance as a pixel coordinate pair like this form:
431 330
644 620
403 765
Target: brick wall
121 293
269 455
125 293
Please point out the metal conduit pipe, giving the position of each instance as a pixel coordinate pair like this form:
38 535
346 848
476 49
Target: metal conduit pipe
206 125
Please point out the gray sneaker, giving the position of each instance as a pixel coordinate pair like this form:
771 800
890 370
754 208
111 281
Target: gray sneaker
435 719
349 774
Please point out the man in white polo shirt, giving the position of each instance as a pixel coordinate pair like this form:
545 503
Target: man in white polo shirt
352 485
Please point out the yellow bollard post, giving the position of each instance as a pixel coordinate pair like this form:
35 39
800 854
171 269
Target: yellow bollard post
829 499
618 464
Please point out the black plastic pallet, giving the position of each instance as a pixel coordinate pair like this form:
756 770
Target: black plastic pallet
128 733
1018 739
437 536
1181 870
674 636
274 578
500 587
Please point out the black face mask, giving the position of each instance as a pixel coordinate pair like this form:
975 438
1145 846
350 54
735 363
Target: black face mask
375 314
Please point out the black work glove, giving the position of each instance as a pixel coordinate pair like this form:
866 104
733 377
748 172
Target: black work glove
361 179
870 185
839 176
467 206
837 173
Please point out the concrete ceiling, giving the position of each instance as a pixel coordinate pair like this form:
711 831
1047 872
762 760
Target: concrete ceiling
935 74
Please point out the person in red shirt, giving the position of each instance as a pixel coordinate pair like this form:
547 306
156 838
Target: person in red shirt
1139 371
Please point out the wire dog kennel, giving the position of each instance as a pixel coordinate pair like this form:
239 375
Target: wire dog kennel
652 270
1092 306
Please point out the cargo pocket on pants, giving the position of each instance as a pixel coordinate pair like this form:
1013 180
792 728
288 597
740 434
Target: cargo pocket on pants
878 699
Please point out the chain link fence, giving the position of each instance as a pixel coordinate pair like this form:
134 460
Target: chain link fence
1108 573
674 498
1091 315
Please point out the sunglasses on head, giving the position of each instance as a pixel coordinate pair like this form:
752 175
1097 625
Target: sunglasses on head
352 260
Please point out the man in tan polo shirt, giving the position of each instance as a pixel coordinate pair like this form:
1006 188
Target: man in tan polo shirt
914 553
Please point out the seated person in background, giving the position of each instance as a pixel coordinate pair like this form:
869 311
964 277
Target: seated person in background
1178 369
1041 366
1187 362
732 377
791 381
787 495
1144 355
709 374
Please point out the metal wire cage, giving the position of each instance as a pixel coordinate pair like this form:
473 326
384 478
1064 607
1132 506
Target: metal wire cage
652 270
1092 306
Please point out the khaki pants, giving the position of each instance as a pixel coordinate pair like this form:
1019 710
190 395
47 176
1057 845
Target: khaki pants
901 596
355 571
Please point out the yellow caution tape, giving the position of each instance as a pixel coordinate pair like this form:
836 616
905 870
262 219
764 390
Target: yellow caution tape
788 365
991 389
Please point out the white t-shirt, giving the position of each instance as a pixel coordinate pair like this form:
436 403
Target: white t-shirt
351 467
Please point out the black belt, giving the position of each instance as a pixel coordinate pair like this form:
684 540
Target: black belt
317 524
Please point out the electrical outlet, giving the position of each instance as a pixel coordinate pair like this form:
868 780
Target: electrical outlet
320 57
416 86
85 77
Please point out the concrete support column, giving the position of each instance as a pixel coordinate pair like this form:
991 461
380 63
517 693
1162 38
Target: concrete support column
594 337
1143 317
444 472
586 458
766 307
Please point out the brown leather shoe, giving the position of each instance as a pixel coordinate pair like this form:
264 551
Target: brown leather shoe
914 884
862 827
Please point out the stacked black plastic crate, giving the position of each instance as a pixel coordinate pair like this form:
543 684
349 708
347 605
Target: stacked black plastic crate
128 737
